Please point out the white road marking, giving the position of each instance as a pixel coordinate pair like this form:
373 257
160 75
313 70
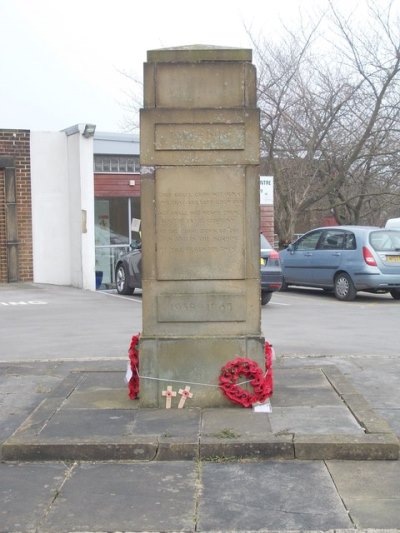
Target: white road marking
120 296
22 302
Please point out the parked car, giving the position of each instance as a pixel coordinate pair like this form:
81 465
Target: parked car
271 272
393 223
345 260
128 273
128 269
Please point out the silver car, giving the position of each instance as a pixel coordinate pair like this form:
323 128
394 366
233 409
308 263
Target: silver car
345 260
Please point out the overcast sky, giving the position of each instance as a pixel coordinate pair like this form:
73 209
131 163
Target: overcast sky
61 60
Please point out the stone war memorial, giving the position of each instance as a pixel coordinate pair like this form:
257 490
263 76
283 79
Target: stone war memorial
199 143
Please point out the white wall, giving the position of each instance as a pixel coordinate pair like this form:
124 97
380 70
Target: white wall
62 188
81 209
50 209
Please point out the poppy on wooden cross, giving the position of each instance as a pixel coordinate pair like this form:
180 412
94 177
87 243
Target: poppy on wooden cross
169 394
185 393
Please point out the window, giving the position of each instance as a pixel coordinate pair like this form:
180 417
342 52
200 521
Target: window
332 240
113 233
350 242
385 241
309 242
116 164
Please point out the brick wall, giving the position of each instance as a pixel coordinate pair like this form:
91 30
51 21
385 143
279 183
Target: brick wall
15 144
267 222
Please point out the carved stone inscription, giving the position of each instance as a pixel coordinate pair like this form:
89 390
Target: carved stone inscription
201 308
200 217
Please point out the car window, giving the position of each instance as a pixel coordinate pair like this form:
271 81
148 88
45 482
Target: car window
308 241
350 241
385 241
332 240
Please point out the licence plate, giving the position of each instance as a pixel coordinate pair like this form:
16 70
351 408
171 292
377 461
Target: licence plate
263 261
393 258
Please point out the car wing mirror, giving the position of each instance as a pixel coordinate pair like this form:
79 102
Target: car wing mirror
136 245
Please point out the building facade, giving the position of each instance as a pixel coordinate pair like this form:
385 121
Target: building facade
70 204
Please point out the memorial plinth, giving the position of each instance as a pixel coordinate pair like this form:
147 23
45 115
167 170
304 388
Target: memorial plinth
200 221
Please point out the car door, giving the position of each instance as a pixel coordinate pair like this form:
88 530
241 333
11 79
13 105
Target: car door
296 259
327 257
135 264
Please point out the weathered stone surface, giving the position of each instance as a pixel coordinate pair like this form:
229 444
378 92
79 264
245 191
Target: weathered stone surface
347 447
370 491
200 215
126 497
199 52
26 492
267 447
205 85
199 137
177 449
237 423
142 449
275 495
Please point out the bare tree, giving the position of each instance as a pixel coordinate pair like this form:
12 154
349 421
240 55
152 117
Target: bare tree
330 113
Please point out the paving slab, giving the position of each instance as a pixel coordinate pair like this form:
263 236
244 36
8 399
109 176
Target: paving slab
26 492
288 495
317 414
370 491
262 496
125 497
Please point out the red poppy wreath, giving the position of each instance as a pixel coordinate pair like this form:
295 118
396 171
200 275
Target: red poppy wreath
133 384
248 369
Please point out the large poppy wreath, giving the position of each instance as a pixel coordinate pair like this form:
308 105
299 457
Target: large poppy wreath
249 370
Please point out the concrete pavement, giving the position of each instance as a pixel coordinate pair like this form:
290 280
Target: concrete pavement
78 455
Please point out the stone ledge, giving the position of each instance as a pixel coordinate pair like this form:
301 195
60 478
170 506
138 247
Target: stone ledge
369 447
304 447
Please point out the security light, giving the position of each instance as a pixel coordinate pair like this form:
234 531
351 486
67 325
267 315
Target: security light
89 130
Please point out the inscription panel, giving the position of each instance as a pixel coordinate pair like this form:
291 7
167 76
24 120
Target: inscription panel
199 136
242 127
201 307
209 85
200 217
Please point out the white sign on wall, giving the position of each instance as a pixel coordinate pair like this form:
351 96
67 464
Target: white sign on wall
266 190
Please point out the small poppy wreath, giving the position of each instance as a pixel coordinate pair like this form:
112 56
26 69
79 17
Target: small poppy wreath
259 380
133 384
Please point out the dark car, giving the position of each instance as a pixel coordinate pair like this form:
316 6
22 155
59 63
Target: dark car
345 260
271 272
128 271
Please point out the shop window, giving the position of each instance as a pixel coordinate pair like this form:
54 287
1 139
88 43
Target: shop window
113 233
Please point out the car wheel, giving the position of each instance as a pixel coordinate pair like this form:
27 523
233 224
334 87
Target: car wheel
265 297
121 279
344 287
395 293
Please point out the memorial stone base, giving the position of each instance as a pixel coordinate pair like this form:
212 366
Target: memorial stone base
194 362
